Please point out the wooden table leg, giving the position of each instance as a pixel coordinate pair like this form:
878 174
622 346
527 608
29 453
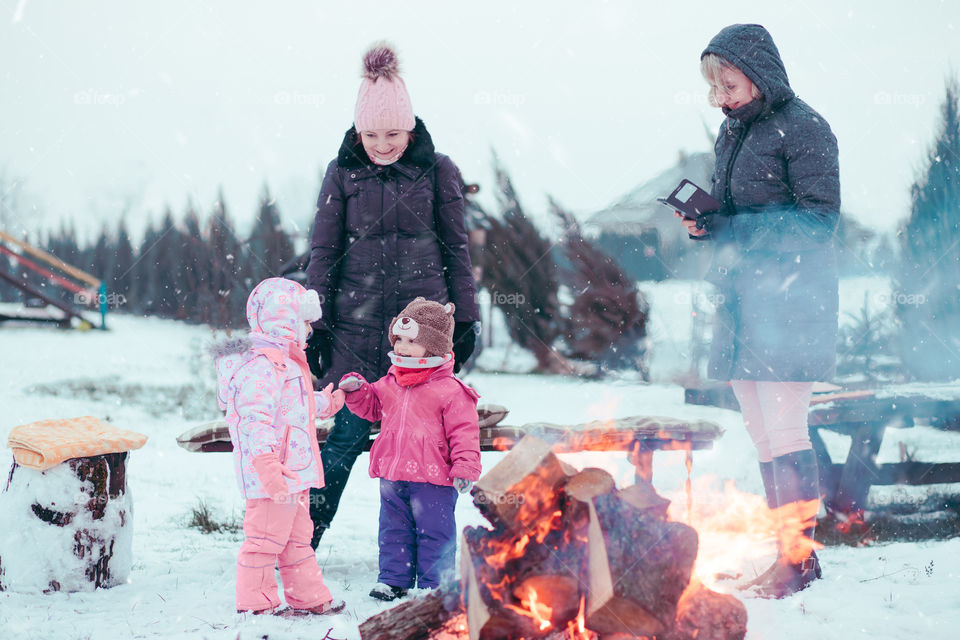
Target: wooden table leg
860 470
642 459
828 480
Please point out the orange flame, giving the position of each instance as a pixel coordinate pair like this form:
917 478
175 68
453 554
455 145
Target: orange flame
577 627
738 533
794 519
532 608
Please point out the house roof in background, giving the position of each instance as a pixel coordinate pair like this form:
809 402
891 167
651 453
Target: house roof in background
638 209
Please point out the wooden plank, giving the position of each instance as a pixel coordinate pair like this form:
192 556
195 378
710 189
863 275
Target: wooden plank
897 411
917 473
828 481
51 259
860 469
712 395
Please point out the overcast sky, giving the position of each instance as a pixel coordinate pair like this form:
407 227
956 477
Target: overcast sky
116 105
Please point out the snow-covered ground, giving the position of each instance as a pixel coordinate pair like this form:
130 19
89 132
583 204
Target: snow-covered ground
182 581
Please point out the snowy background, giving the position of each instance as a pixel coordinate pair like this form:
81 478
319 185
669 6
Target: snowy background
112 107
182 581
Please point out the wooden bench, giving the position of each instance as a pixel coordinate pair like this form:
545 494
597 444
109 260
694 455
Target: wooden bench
637 436
864 416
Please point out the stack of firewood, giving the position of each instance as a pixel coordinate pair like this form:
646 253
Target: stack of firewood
568 553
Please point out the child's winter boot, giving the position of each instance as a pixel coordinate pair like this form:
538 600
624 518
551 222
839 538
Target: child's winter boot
387 592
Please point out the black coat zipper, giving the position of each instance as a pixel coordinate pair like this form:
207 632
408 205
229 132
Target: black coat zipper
727 195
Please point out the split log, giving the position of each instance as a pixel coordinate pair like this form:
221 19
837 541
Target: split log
411 620
590 483
484 621
638 568
513 586
525 487
645 499
704 614
581 489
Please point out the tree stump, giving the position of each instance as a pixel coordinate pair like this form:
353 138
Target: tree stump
72 526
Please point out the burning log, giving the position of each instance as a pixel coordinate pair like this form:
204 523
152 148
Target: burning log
520 586
703 614
411 620
644 498
524 487
639 566
590 483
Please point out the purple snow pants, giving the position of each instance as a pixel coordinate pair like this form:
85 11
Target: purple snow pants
417 533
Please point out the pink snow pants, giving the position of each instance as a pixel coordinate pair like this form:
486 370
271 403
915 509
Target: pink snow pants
278 534
775 415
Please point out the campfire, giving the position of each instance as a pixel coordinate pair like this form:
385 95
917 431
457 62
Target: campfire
568 555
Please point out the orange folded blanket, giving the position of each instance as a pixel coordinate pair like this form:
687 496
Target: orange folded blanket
45 444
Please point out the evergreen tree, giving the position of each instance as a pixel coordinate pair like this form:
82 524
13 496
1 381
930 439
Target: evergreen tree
521 275
229 274
607 321
103 259
145 277
269 246
928 300
196 254
165 259
120 282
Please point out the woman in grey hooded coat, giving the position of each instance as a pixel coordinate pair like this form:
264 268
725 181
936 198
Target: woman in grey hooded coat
775 271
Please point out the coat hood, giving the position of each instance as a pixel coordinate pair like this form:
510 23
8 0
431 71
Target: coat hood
277 309
420 154
750 48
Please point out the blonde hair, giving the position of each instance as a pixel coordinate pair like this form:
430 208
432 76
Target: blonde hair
711 67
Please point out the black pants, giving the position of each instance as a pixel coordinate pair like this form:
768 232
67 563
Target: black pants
345 442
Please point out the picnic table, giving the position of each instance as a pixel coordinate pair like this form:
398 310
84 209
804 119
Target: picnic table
638 436
864 415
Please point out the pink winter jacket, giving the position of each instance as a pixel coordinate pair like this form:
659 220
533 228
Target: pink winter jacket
429 431
264 386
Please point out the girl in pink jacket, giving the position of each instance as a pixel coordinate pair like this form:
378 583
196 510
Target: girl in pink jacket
427 450
264 385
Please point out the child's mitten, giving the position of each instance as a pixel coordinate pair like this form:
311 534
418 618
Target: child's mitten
272 475
328 401
462 485
351 382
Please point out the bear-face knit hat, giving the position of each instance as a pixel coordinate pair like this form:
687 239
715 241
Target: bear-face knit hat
383 101
426 323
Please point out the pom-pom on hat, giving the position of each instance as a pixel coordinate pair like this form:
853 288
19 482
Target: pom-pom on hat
426 323
383 101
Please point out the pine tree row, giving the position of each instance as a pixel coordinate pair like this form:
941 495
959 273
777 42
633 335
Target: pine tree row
188 269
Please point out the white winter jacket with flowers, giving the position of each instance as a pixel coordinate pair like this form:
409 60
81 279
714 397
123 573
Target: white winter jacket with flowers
264 385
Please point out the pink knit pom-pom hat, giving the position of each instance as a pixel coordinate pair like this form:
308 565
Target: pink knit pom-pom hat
383 101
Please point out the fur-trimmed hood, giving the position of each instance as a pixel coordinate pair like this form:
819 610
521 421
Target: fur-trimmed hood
228 354
420 154
229 346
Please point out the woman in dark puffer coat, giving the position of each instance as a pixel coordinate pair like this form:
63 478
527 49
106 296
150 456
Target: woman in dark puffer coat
775 271
389 227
